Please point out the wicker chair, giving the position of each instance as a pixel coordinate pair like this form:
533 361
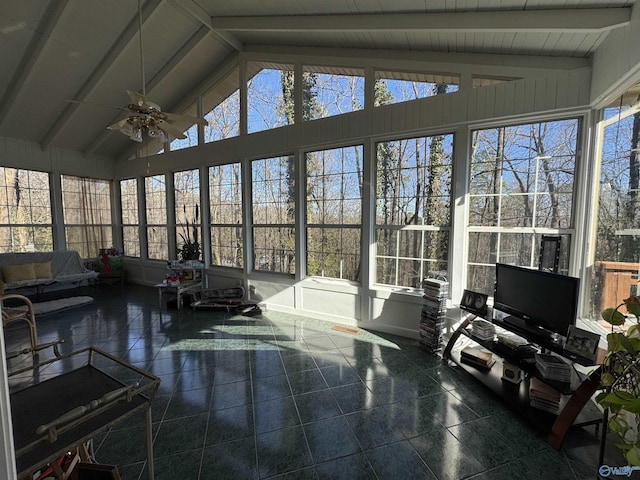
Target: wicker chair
20 309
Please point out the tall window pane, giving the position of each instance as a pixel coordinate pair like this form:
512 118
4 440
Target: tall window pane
155 192
616 256
225 206
25 211
86 205
413 209
274 214
130 219
521 187
334 212
187 208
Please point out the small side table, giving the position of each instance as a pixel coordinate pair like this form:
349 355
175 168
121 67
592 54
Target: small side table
178 290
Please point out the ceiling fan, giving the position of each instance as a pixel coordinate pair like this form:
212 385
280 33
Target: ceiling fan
144 116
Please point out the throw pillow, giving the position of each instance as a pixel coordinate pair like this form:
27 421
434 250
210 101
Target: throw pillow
42 270
17 273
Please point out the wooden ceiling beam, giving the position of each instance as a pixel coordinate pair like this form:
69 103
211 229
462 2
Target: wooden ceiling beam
39 41
572 20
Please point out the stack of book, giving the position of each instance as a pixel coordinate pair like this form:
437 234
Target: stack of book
552 367
477 356
543 397
483 329
434 311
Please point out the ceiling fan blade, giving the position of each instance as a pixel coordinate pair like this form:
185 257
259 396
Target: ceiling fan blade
170 129
174 117
118 125
137 98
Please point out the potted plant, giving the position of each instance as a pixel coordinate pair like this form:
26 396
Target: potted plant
620 379
191 248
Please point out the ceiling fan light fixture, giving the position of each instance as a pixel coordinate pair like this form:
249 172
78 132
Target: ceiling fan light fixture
127 129
136 135
156 133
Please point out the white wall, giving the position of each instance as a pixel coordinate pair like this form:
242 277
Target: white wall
616 63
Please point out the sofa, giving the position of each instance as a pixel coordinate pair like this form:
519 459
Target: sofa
39 270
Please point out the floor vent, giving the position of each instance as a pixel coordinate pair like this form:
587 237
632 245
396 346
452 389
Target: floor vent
342 328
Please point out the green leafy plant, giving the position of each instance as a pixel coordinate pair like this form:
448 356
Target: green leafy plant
191 249
620 379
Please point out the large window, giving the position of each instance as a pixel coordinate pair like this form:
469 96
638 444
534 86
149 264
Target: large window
86 204
187 207
413 209
130 218
521 187
395 87
334 212
329 91
273 194
155 194
225 206
270 96
617 238
25 211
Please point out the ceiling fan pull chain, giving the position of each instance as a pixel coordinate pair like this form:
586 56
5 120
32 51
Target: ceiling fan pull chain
144 86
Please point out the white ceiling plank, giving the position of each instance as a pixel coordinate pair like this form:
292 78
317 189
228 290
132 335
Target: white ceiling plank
127 36
574 20
38 44
157 79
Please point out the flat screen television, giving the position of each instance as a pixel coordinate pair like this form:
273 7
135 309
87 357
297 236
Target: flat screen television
542 302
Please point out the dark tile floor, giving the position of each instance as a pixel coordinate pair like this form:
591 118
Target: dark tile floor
284 396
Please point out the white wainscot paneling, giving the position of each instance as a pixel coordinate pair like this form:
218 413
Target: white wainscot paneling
338 306
397 316
273 294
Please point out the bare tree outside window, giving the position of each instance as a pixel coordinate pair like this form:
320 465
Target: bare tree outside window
273 216
521 187
265 101
186 186
406 86
130 217
223 106
334 212
25 211
332 91
155 189
413 209
616 266
225 207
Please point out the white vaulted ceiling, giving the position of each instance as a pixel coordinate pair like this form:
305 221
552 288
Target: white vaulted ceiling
88 50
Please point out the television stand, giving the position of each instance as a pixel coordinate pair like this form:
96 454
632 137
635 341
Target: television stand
575 406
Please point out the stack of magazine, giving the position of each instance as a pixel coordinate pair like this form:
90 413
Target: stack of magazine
512 340
483 329
434 311
552 367
543 397
516 347
478 357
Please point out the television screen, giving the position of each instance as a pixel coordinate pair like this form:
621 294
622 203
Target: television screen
542 299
